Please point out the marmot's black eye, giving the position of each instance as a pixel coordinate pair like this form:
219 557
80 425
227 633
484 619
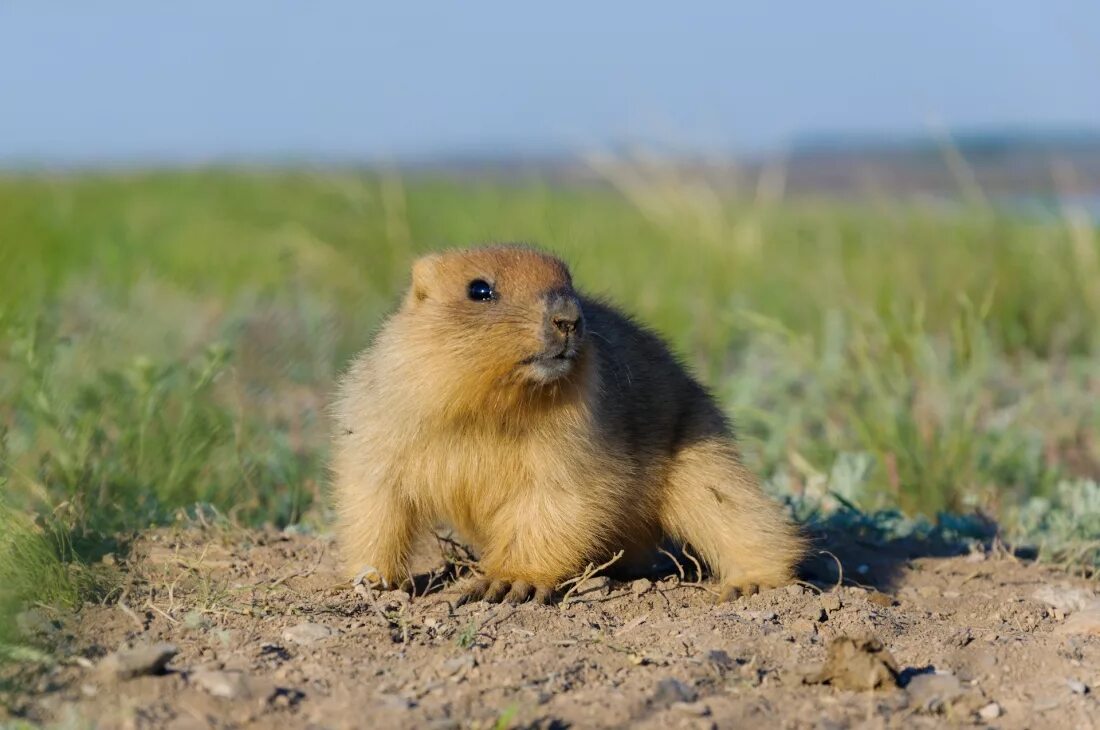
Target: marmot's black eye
480 290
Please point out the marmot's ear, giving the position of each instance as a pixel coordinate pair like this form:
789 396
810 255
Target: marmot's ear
423 274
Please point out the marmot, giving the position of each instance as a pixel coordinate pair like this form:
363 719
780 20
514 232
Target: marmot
547 428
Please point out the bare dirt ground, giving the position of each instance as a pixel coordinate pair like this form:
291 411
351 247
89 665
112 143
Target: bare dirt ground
265 634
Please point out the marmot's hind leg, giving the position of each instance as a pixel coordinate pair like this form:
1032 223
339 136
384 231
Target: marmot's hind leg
717 507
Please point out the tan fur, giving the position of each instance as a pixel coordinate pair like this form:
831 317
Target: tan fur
445 420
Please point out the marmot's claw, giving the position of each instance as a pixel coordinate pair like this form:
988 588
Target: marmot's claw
496 591
520 592
732 593
370 576
473 591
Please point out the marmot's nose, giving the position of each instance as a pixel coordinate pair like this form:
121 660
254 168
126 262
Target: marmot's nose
564 312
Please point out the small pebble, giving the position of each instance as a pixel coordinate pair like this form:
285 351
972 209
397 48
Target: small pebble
138 661
599 584
1078 688
990 712
720 658
928 592
804 626
671 691
227 685
830 602
640 586
308 633
880 599
698 709
795 590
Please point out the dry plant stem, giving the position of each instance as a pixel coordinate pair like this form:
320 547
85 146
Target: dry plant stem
129 611
683 581
588 573
698 567
679 567
839 568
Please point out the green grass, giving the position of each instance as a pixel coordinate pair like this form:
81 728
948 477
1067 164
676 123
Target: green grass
171 338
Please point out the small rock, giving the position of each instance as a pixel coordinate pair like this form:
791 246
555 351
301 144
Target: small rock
392 600
990 712
599 584
815 613
1067 599
308 633
462 663
795 590
1082 622
880 599
229 685
431 622
640 586
33 622
396 702
671 691
138 661
933 692
1078 688
830 602
720 658
698 709
804 626
928 591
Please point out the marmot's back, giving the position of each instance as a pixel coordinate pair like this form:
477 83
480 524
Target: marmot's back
648 399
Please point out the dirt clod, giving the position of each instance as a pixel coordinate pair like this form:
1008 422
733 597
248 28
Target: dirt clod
856 663
830 602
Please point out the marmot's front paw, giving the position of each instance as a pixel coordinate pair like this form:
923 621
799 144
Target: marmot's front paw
733 592
495 590
371 577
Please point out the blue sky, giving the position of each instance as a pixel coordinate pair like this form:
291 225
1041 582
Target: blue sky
104 80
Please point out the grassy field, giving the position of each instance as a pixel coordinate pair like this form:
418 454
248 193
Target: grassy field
169 340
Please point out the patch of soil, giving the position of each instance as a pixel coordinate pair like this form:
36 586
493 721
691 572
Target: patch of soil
264 633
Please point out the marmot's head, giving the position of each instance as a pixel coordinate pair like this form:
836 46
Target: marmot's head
500 314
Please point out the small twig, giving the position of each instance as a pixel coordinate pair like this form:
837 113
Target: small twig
839 568
363 589
150 604
808 585
302 573
698 567
129 611
679 567
700 586
588 573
